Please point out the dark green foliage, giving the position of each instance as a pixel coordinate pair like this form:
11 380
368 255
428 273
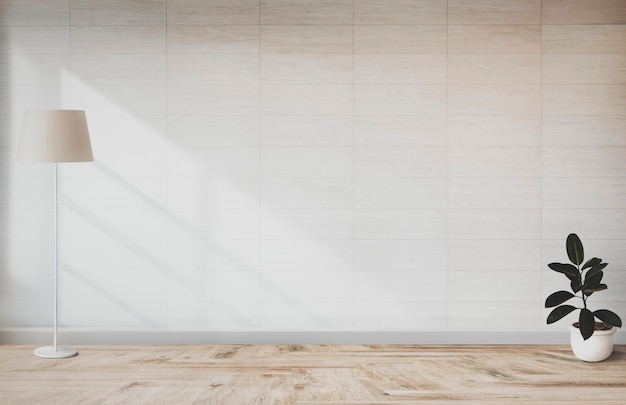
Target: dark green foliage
586 323
608 316
559 312
558 298
587 280
574 248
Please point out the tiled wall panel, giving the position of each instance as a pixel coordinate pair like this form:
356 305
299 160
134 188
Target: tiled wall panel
37 12
395 38
498 39
583 12
494 12
400 12
334 165
583 115
583 38
494 159
216 12
306 12
306 38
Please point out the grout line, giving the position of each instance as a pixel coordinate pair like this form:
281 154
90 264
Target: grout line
541 192
260 188
447 167
354 302
167 177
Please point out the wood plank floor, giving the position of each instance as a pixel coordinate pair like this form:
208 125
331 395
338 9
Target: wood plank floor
311 375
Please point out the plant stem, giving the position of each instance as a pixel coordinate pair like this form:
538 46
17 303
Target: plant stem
581 282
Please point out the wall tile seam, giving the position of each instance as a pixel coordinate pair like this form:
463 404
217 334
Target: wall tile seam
620 24
580 84
585 178
421 24
314 25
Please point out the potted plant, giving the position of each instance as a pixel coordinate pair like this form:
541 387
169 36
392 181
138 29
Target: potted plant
591 340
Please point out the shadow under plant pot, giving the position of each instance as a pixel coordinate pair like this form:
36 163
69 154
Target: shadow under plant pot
596 348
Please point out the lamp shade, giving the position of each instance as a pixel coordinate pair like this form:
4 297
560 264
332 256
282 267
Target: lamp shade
54 136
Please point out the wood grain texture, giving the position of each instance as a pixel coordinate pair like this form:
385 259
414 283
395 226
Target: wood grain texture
400 99
400 12
306 39
309 375
400 38
494 12
583 11
497 193
307 68
399 224
212 69
600 130
494 99
213 39
403 193
215 12
307 99
329 130
584 68
503 162
306 12
400 68
586 162
26 40
494 38
607 224
36 12
490 130
495 224
399 130
117 39
583 38
584 99
509 68
118 12
400 162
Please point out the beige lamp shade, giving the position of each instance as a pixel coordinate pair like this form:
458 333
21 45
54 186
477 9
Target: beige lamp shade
54 136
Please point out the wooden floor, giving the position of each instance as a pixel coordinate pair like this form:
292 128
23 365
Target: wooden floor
307 375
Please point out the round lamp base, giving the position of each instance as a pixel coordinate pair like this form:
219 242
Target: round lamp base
49 352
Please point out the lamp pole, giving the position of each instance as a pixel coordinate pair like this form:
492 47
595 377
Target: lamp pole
54 351
56 252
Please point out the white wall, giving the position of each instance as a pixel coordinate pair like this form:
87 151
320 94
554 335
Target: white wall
283 165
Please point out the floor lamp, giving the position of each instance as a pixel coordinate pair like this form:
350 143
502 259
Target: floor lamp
55 136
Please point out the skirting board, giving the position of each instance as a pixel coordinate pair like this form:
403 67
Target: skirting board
38 336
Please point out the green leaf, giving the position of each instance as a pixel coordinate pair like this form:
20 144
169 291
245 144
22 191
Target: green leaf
574 248
592 284
569 270
586 323
609 317
590 290
576 286
558 298
591 262
593 281
595 269
559 312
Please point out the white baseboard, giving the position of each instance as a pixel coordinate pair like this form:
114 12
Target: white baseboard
39 336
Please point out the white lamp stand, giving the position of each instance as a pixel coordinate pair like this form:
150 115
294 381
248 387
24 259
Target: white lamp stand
55 136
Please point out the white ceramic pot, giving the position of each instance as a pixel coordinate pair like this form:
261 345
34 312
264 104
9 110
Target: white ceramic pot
597 348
